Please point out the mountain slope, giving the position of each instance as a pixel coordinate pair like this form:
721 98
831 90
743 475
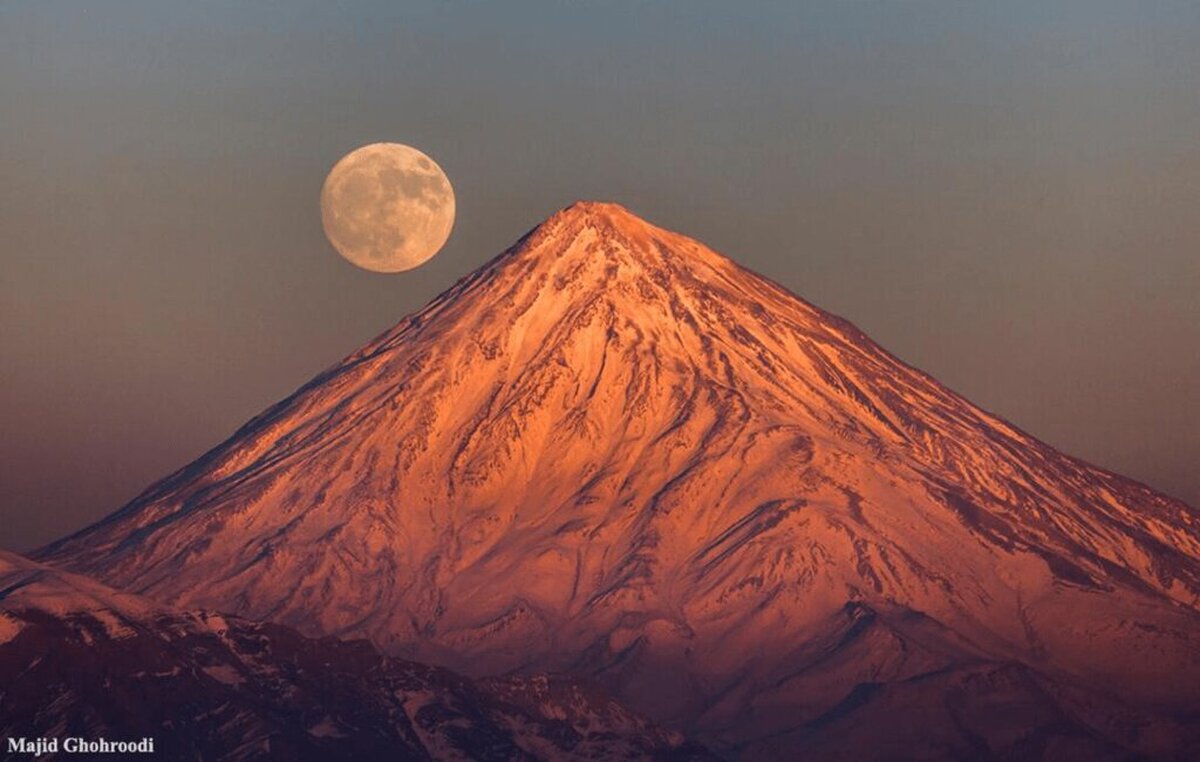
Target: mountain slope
80 659
612 451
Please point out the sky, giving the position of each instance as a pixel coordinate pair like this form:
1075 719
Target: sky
1005 195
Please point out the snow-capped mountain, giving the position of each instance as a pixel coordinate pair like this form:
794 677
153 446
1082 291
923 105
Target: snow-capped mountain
613 452
78 659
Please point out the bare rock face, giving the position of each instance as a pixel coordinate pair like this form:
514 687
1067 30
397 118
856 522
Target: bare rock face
78 659
613 452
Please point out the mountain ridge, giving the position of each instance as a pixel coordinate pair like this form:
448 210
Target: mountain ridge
77 657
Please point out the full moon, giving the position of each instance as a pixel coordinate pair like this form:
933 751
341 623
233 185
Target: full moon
387 207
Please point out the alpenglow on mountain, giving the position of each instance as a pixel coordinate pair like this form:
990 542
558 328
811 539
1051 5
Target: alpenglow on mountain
613 452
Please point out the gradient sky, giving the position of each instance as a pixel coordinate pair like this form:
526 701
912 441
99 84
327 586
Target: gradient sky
1006 195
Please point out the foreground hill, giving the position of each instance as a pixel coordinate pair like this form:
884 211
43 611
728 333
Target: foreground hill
78 659
615 453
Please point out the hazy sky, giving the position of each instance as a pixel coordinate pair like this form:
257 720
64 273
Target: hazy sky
1005 194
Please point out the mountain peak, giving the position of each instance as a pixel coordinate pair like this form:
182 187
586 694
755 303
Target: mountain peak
611 238
609 212
603 215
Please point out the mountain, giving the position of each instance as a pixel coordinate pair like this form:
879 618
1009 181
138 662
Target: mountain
613 452
78 659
